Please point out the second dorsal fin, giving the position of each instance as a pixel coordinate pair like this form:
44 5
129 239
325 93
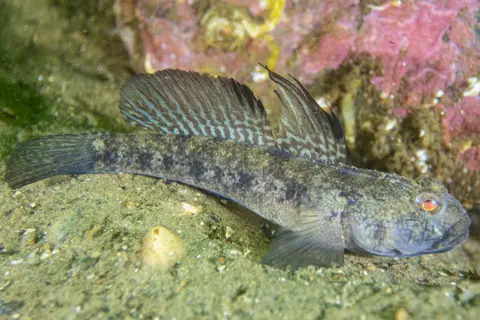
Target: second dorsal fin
307 130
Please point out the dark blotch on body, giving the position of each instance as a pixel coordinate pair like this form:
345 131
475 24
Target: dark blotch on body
219 174
110 154
245 181
108 157
145 161
280 153
295 192
168 162
197 169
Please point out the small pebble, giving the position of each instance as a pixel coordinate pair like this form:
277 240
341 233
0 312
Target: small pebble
371 268
190 210
162 248
229 233
401 314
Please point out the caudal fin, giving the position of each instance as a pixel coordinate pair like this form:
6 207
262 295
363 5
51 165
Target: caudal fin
47 156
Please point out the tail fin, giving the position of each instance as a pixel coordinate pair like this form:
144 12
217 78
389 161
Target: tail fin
47 156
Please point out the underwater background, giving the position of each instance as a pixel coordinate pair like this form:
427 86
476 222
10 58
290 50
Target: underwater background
403 77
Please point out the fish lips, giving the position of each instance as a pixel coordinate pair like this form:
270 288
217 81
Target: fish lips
454 236
451 238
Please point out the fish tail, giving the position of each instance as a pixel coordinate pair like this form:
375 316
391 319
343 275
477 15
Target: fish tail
47 156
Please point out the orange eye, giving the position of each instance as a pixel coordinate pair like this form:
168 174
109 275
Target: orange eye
429 202
429 205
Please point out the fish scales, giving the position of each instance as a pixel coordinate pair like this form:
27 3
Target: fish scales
214 134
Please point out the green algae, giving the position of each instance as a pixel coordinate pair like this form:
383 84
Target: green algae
70 246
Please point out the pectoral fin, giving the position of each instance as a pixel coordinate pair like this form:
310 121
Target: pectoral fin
311 242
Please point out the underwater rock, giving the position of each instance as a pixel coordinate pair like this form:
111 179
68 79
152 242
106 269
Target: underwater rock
335 33
463 119
162 248
471 158
206 36
413 42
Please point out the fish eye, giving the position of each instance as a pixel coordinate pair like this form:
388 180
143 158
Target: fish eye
428 202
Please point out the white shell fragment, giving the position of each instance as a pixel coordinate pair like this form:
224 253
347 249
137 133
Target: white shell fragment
189 209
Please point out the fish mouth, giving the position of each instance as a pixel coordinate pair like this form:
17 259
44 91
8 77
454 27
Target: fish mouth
452 237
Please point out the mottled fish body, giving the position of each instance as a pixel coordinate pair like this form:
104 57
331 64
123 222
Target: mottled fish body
214 134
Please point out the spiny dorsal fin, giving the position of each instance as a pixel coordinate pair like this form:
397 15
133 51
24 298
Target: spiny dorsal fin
188 103
307 130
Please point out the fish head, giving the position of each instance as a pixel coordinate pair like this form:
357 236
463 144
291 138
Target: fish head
402 218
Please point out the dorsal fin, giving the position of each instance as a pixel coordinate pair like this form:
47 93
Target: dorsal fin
188 103
307 130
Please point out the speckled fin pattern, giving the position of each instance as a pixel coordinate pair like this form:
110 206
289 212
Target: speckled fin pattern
188 103
307 130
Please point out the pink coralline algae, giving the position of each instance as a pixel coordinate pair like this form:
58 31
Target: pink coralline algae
170 43
408 42
337 32
471 158
423 46
463 119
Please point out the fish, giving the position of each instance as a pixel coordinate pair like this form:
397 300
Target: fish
214 134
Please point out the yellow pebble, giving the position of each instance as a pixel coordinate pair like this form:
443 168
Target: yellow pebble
371 268
401 314
162 248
